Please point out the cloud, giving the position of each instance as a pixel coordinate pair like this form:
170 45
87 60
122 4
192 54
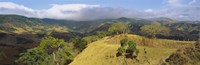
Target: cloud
149 10
176 9
85 12
193 2
174 2
12 8
77 12
65 11
178 13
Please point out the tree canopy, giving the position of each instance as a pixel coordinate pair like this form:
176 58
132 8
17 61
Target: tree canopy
118 27
51 51
153 29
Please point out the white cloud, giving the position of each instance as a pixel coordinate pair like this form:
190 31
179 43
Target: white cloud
179 13
179 10
174 2
11 5
149 10
93 12
69 11
12 8
65 11
193 2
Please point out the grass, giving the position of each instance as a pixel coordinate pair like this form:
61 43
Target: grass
102 52
38 28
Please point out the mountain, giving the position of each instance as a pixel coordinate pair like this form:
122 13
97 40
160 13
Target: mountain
19 33
184 30
21 24
77 26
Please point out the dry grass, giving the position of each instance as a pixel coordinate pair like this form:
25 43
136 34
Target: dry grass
102 52
39 28
163 43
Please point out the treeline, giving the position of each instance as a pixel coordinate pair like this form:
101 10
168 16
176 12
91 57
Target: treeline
176 31
53 51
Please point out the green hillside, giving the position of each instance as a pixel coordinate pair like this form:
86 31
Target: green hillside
21 24
157 39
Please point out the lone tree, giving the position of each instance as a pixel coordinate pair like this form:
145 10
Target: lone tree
51 51
127 49
153 29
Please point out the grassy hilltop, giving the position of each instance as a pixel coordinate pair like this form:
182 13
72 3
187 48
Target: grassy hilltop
102 52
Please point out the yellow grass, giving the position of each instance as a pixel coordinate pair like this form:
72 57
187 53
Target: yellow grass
102 52
39 28
163 43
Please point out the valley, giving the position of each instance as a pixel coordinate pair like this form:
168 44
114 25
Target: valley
96 42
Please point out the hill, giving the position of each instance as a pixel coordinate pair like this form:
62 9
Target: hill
102 52
185 56
21 24
179 30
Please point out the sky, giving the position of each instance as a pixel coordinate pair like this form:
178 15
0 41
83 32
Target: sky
102 9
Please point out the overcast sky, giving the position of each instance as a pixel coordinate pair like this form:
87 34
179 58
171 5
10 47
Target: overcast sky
102 9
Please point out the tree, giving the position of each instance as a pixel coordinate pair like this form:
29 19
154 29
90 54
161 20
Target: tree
123 42
127 49
90 39
101 34
132 48
51 51
79 43
153 29
118 27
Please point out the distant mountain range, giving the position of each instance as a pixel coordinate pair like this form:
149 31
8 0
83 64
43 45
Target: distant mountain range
18 33
21 24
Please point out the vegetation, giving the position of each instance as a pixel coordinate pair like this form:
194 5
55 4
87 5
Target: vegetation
101 34
153 30
51 51
18 33
79 43
90 39
20 24
185 56
127 49
103 52
118 27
